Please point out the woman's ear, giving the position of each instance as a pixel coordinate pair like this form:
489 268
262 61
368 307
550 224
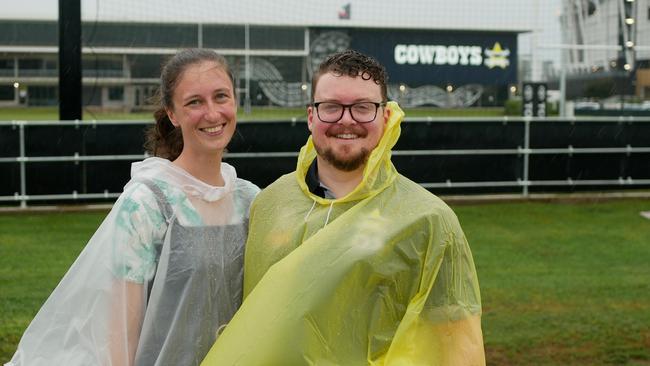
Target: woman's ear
172 118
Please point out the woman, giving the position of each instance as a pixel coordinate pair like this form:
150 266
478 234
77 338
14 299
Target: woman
163 272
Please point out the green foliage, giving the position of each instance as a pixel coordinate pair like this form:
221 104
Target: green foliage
600 89
561 283
512 107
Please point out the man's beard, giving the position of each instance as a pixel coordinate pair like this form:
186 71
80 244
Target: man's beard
347 165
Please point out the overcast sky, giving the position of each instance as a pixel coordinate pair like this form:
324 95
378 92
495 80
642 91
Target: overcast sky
537 15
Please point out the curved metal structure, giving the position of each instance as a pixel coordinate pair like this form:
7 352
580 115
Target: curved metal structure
464 96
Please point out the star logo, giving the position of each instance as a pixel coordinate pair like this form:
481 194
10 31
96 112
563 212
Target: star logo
497 57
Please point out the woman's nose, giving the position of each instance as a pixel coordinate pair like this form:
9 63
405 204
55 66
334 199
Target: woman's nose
213 110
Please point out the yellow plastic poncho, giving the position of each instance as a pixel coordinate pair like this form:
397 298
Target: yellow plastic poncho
382 276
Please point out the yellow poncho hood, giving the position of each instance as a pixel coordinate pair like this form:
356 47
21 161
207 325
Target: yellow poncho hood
379 171
382 276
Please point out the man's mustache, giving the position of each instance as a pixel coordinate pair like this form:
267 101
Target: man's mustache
339 129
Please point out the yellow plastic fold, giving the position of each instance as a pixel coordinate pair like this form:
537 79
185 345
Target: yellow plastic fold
382 276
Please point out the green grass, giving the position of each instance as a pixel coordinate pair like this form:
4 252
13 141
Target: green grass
52 114
562 284
257 113
35 252
454 112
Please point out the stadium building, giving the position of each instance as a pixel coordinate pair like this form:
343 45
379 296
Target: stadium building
609 46
436 53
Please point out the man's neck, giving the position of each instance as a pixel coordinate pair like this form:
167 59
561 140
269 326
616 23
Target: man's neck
339 182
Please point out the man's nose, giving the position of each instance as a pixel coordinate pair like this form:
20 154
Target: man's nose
346 118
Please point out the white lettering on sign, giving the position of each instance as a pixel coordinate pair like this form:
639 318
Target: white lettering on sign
414 54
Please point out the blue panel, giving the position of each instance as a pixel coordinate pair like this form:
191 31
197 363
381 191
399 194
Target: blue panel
419 57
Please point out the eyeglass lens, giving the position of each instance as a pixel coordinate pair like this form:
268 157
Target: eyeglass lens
362 112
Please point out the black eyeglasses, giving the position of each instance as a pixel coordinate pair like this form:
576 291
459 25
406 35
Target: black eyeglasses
362 112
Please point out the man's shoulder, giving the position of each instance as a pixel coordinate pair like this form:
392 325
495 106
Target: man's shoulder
416 196
415 192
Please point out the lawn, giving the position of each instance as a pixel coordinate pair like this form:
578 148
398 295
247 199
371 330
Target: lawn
256 114
562 283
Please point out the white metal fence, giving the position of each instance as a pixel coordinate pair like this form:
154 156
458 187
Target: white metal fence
523 150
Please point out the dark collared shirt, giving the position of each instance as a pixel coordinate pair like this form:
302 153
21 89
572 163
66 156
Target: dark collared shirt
314 184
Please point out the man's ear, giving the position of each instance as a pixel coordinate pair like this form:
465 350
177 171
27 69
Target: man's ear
310 117
172 118
387 112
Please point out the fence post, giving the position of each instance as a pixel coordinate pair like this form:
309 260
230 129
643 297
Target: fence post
526 155
23 174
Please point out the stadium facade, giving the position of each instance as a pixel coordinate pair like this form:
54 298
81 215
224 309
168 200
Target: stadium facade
610 42
431 59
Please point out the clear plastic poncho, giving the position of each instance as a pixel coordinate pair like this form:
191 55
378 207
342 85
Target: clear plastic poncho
382 276
156 282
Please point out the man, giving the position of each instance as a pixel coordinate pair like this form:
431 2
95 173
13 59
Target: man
347 261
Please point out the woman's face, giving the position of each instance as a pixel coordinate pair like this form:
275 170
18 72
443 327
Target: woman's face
204 107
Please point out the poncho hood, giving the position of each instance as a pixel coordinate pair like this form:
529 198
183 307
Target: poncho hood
379 171
158 168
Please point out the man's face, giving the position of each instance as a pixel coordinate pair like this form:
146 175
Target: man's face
346 144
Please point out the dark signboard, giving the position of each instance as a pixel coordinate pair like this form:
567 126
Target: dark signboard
431 57
534 100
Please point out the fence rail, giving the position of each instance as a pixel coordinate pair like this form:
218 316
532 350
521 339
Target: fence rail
523 150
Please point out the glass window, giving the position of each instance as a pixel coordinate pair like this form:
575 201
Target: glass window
277 38
116 93
42 95
140 35
146 66
224 36
24 33
7 92
7 67
7 63
30 64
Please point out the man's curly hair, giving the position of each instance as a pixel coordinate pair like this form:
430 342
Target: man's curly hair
354 64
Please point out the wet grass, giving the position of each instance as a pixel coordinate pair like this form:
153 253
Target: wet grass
561 283
35 252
